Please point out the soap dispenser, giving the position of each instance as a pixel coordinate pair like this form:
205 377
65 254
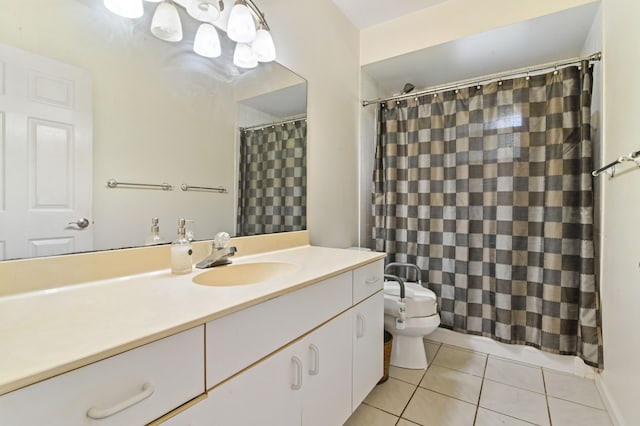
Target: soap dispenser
154 238
181 252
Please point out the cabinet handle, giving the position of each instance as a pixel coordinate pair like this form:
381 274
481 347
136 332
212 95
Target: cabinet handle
361 326
316 360
297 384
101 413
371 280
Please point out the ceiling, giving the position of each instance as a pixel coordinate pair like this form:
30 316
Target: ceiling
529 43
367 13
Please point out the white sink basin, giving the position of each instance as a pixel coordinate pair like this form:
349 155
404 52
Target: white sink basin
244 273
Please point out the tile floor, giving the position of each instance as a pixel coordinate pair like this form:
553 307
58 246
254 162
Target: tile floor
465 388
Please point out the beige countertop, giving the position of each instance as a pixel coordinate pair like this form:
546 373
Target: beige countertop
49 332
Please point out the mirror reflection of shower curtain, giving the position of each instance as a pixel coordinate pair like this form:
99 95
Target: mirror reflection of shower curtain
273 179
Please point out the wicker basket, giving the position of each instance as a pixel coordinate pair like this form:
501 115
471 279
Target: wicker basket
388 341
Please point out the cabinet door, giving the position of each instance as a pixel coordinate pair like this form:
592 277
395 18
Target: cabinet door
238 340
368 346
327 384
268 393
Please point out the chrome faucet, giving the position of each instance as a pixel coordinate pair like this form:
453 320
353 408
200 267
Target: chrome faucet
220 252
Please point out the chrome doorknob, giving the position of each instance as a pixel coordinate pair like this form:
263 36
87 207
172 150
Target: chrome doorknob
80 223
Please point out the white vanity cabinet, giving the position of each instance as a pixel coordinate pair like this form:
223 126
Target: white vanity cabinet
317 379
368 326
132 388
237 340
307 383
307 356
368 344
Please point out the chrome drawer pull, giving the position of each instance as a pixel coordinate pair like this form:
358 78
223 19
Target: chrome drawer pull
101 413
361 326
372 280
297 385
316 360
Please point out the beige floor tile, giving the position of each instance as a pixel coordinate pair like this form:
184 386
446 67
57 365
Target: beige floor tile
430 408
406 374
491 418
391 396
453 383
405 422
515 402
370 416
515 374
432 349
565 413
461 359
572 388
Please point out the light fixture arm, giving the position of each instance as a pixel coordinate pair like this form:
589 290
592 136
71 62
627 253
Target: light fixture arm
258 13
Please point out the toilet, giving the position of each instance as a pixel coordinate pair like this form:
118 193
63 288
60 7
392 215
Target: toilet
421 319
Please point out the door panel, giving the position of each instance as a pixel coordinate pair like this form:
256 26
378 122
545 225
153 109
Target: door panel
327 391
260 395
368 346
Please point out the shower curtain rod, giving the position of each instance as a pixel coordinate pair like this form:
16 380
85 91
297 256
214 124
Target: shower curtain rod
488 78
275 123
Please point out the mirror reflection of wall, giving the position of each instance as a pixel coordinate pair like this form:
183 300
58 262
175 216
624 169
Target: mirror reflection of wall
158 113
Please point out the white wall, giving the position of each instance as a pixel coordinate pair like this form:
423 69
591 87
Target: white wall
451 20
621 245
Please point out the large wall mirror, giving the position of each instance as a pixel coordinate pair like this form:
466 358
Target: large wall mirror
88 98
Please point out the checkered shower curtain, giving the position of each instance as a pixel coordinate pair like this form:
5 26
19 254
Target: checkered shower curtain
272 189
488 189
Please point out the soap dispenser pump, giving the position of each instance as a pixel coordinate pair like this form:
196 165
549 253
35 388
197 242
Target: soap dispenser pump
154 238
181 252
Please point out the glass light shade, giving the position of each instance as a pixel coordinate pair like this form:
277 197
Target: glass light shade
241 26
125 8
203 10
263 46
166 23
207 42
244 57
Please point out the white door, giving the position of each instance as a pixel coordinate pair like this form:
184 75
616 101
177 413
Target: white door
46 153
327 383
368 346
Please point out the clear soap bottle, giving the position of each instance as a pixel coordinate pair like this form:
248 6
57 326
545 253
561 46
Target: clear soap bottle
181 252
155 237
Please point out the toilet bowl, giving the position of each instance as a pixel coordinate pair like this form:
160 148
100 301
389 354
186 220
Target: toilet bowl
421 319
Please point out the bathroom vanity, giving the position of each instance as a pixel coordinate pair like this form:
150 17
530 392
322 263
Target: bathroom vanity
301 347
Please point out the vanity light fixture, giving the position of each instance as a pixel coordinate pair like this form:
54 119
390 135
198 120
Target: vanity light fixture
263 46
205 10
166 23
207 42
244 57
246 26
241 27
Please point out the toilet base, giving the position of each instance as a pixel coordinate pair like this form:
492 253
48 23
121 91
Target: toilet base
408 352
408 349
